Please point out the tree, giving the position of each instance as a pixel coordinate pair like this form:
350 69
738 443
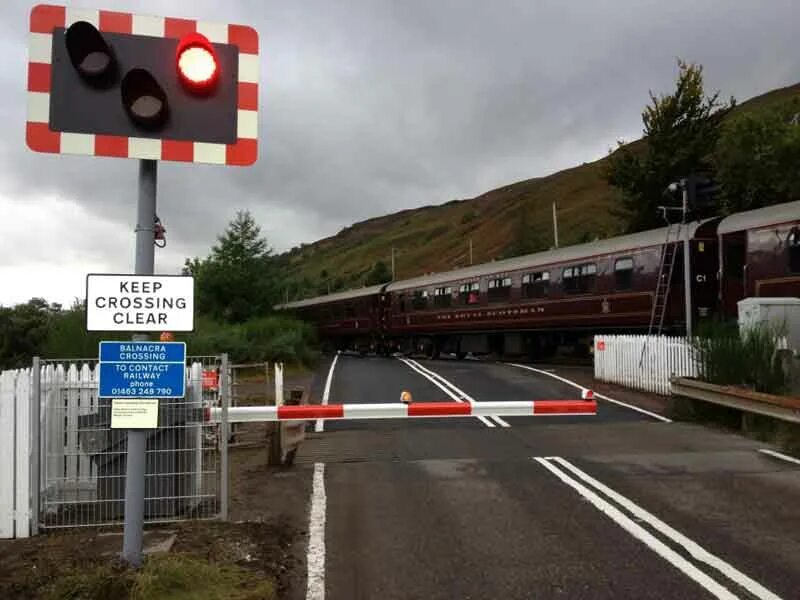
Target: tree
23 331
757 157
380 273
681 131
237 280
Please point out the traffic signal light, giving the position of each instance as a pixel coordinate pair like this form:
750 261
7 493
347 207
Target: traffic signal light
116 84
198 66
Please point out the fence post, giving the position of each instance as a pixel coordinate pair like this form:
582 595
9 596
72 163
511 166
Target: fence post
35 399
275 452
22 458
73 396
223 451
7 442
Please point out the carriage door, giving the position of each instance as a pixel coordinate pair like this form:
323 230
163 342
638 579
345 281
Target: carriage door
734 261
705 264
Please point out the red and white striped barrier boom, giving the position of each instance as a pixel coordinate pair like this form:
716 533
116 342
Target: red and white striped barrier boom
399 410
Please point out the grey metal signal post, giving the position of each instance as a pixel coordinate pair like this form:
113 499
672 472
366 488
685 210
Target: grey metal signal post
137 438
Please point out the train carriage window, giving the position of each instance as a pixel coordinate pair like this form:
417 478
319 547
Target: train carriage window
579 278
349 311
499 289
401 301
442 296
588 275
568 281
623 273
536 285
469 293
793 243
420 300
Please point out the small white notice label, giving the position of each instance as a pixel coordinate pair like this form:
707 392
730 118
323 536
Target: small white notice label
130 413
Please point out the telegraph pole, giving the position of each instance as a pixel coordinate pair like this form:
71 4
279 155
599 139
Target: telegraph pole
555 225
687 267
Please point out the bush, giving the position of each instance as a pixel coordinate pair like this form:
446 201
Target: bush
749 358
274 338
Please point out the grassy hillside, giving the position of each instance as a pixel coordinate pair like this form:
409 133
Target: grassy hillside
435 238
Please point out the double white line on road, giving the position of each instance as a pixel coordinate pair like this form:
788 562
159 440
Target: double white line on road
451 390
613 506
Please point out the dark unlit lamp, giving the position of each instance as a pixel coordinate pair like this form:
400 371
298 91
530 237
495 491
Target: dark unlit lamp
88 52
144 99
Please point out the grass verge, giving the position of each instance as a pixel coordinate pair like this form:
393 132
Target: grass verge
178 577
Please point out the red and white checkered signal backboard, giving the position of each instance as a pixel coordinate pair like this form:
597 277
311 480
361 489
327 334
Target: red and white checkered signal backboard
46 19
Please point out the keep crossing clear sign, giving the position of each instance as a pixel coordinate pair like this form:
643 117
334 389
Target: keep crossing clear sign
142 370
139 303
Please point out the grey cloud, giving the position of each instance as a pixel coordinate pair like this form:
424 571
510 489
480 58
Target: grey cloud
373 106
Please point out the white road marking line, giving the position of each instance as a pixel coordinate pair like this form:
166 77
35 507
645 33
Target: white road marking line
326 394
459 391
641 534
315 558
464 395
693 548
596 395
414 368
780 456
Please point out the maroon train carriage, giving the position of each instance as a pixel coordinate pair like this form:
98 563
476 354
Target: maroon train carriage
759 255
348 320
532 304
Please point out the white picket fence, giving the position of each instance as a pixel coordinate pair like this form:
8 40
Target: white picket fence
618 359
15 465
65 472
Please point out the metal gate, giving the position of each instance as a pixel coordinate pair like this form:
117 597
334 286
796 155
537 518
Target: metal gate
83 460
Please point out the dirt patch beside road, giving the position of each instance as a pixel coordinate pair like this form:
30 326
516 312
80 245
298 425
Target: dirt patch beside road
208 559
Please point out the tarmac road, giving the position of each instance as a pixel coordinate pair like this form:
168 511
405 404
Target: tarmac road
619 505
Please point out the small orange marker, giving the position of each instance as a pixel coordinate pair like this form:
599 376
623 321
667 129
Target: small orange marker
405 397
167 337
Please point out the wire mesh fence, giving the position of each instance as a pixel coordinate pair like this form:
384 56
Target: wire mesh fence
250 386
83 460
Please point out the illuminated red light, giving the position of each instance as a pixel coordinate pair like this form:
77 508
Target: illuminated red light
197 63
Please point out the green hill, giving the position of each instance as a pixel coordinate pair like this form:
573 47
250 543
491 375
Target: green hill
436 238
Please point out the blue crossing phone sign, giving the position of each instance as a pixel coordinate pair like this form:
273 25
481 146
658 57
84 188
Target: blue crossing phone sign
142 370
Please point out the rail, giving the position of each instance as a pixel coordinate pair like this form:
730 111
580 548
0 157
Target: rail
784 408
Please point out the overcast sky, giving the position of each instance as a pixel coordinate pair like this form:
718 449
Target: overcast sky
368 107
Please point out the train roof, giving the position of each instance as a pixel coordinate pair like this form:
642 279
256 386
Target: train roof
642 239
335 297
760 217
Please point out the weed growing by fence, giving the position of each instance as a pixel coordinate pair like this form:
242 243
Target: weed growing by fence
726 356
